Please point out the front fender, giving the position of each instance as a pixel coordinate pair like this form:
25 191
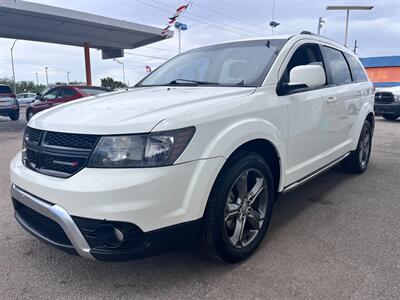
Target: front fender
226 139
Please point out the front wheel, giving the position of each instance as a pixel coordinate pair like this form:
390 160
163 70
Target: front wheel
358 160
391 117
29 115
239 208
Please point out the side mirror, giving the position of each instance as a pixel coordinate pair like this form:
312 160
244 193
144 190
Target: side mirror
307 76
38 96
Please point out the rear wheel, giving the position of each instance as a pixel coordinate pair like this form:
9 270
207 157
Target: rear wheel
14 116
239 208
391 117
358 160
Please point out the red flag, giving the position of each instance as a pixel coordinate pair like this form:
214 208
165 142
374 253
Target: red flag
181 9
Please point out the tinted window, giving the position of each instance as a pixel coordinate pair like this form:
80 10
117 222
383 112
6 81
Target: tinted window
230 64
337 66
356 69
66 93
93 91
5 89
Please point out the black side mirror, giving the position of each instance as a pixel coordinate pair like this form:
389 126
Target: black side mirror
38 96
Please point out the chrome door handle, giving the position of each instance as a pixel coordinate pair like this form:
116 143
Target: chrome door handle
332 100
360 93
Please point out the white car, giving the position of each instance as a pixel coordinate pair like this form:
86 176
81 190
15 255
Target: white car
198 151
26 98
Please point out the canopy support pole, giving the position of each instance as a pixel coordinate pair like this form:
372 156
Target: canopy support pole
87 64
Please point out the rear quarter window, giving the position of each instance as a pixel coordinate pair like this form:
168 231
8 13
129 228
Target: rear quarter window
357 70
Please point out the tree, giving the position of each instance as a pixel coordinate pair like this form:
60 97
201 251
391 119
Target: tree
112 84
23 86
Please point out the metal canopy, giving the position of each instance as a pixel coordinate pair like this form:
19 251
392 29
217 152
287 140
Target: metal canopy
36 22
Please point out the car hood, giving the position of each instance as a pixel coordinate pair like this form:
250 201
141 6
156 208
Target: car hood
137 110
394 89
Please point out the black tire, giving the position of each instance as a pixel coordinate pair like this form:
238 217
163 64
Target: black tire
391 117
14 116
28 115
358 160
215 240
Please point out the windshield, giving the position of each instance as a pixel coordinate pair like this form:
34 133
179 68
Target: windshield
231 64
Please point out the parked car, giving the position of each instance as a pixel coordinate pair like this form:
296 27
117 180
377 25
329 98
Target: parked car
61 94
198 151
8 103
26 98
387 102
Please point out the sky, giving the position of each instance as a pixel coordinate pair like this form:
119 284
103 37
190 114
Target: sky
377 32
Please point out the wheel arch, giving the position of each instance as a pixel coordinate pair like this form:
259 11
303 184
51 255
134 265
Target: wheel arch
371 119
267 150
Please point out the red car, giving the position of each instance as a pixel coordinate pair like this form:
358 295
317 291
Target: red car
62 94
8 103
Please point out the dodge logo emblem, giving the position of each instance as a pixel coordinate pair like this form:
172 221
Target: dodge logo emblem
66 163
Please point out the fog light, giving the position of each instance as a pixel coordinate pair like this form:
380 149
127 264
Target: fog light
109 236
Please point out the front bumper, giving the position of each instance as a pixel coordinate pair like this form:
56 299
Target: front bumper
389 108
163 204
55 213
51 224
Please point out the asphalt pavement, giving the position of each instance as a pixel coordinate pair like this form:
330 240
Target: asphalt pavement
337 237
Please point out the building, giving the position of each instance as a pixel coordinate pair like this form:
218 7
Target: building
383 71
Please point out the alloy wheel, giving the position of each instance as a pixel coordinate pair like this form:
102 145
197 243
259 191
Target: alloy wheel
365 148
246 208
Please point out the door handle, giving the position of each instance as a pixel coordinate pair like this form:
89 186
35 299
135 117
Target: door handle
332 100
360 93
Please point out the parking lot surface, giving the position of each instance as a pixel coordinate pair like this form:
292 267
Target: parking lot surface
337 237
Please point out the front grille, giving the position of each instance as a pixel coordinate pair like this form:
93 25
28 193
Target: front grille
41 224
384 97
33 135
55 153
79 141
32 157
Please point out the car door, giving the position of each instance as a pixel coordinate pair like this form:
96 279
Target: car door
361 90
346 93
312 117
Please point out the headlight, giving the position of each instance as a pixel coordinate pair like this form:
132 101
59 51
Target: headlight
141 150
397 97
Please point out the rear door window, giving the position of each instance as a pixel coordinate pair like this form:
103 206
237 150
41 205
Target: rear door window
65 92
356 69
336 66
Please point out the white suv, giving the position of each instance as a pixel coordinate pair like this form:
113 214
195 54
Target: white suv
199 150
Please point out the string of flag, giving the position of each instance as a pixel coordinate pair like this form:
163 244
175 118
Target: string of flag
172 20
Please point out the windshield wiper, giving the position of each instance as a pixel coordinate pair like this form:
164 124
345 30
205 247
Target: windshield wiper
191 82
